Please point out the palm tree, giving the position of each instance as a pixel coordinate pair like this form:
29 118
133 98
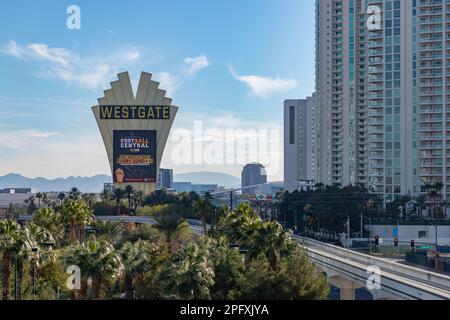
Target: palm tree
118 196
39 197
97 260
270 240
138 197
129 191
76 214
48 219
108 230
105 195
89 198
189 275
170 225
31 205
204 205
241 225
136 259
61 197
45 198
14 242
74 193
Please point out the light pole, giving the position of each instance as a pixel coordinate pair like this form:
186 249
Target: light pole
370 236
348 235
398 242
15 276
436 263
370 232
34 250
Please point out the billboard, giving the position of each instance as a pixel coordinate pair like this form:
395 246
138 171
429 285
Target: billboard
135 112
125 117
134 156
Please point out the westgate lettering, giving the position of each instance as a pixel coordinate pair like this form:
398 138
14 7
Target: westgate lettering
135 112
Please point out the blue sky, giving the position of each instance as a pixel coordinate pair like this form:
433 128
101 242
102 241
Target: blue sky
227 63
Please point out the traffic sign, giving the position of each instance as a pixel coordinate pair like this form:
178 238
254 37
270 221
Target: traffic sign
425 247
395 232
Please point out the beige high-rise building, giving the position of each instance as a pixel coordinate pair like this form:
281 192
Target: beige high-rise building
382 85
299 143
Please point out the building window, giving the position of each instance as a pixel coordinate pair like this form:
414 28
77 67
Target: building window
422 234
292 125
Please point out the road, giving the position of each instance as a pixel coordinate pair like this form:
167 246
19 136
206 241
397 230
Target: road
196 225
406 279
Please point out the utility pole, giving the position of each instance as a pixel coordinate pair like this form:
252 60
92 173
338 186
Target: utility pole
370 236
436 263
361 227
231 200
15 277
398 237
348 233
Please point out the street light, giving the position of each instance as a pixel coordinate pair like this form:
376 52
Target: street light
34 250
370 231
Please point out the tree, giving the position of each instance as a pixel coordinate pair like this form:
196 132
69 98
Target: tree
13 241
105 195
137 259
39 197
31 205
108 230
76 214
45 198
138 198
61 197
228 267
204 205
245 228
159 197
129 190
169 223
241 225
50 220
74 193
28 250
295 280
89 198
189 275
118 196
272 241
97 260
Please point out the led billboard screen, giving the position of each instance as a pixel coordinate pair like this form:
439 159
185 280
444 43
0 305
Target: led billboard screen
134 154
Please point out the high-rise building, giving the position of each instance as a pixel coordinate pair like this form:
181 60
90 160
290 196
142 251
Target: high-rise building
253 174
165 179
382 70
299 143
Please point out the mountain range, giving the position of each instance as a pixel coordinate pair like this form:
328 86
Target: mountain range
95 183
221 179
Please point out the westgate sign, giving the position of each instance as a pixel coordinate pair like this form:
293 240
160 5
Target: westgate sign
135 130
135 112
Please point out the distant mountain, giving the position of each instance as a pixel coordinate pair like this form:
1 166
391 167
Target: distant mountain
221 179
85 184
95 183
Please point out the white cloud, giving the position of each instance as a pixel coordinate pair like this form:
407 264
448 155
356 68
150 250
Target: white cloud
194 65
37 153
168 82
218 130
171 82
42 134
265 86
62 64
51 154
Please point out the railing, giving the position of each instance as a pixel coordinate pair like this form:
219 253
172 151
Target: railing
429 277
